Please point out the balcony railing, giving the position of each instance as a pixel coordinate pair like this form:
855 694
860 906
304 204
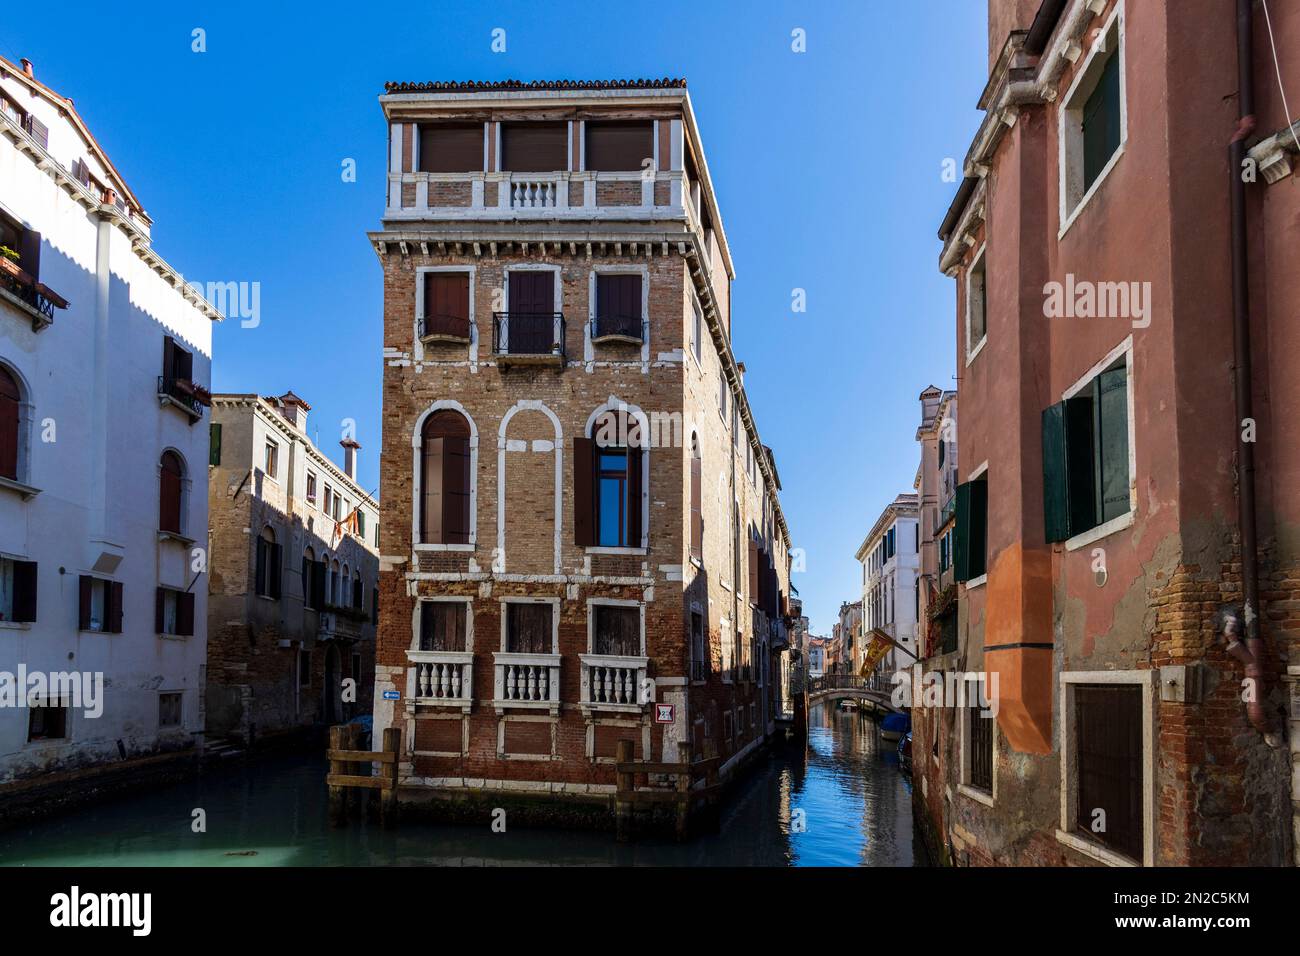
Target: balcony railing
526 680
612 683
180 393
560 194
536 337
443 678
627 328
445 328
339 624
700 670
32 294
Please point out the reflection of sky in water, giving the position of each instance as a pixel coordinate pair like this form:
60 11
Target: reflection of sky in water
857 811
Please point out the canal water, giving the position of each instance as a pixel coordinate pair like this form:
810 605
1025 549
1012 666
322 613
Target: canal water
843 803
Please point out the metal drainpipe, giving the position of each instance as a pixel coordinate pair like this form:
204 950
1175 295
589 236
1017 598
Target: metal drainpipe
1252 654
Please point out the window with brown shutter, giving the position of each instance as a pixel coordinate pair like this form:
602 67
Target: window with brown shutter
534 147
753 572
442 626
617 630
445 479
446 305
619 146
1108 741
618 306
451 147
99 605
169 493
528 628
10 423
584 505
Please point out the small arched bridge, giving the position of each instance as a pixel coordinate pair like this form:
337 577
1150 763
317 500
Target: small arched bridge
876 689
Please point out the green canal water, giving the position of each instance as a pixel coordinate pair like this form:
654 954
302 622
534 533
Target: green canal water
856 811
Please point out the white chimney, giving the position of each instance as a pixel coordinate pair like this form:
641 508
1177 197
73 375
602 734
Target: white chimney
350 449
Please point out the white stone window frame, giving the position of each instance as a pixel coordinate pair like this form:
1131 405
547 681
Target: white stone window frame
1110 40
417 350
417 447
555 268
1146 680
616 404
424 599
269 441
969 695
554 602
588 347
977 263
180 723
705 655
1122 352
26 417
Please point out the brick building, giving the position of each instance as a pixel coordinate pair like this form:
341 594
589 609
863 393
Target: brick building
580 519
293 575
1123 255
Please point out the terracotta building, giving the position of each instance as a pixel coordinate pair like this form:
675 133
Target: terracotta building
580 519
1126 291
294 565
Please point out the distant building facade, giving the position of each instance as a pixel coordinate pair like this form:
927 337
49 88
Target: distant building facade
890 584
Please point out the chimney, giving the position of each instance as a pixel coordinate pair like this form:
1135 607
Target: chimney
27 67
350 449
294 410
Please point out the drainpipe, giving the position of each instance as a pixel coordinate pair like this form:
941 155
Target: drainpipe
1233 626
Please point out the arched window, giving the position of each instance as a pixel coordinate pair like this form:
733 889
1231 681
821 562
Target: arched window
170 484
333 597
309 595
11 407
358 601
608 503
269 555
445 479
697 512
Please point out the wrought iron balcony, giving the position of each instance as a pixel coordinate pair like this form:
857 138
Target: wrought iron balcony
528 338
39 301
182 394
444 328
617 328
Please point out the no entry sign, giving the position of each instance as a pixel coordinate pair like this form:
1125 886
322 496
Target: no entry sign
665 713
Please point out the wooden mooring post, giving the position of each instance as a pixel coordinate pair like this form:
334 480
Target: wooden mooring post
346 764
684 799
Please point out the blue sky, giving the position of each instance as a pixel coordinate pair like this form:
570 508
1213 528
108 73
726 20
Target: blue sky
827 165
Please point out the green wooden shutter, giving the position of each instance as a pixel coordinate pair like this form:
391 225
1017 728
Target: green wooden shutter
361 524
1056 515
1112 443
961 535
214 443
1080 464
1101 131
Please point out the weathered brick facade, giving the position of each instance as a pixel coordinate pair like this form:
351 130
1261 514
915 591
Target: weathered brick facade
469 731
278 663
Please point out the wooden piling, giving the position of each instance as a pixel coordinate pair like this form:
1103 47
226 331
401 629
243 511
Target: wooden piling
388 796
683 791
338 795
622 797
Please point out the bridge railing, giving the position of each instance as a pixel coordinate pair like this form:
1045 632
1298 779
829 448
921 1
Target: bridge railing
880 683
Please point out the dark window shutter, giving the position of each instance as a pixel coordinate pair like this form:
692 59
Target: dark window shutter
533 291
635 531
39 131
115 607
159 610
185 614
1056 515
214 443
455 487
184 364
1108 744
169 494
753 571
961 535
618 146
534 147
1112 443
10 422
1101 132
306 575
432 513
374 605
259 566
584 505
29 253
446 303
361 523
318 584
169 358
697 514
357 599
24 604
451 147
276 551
85 584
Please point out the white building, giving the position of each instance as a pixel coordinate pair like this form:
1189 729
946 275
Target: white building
104 353
890 574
